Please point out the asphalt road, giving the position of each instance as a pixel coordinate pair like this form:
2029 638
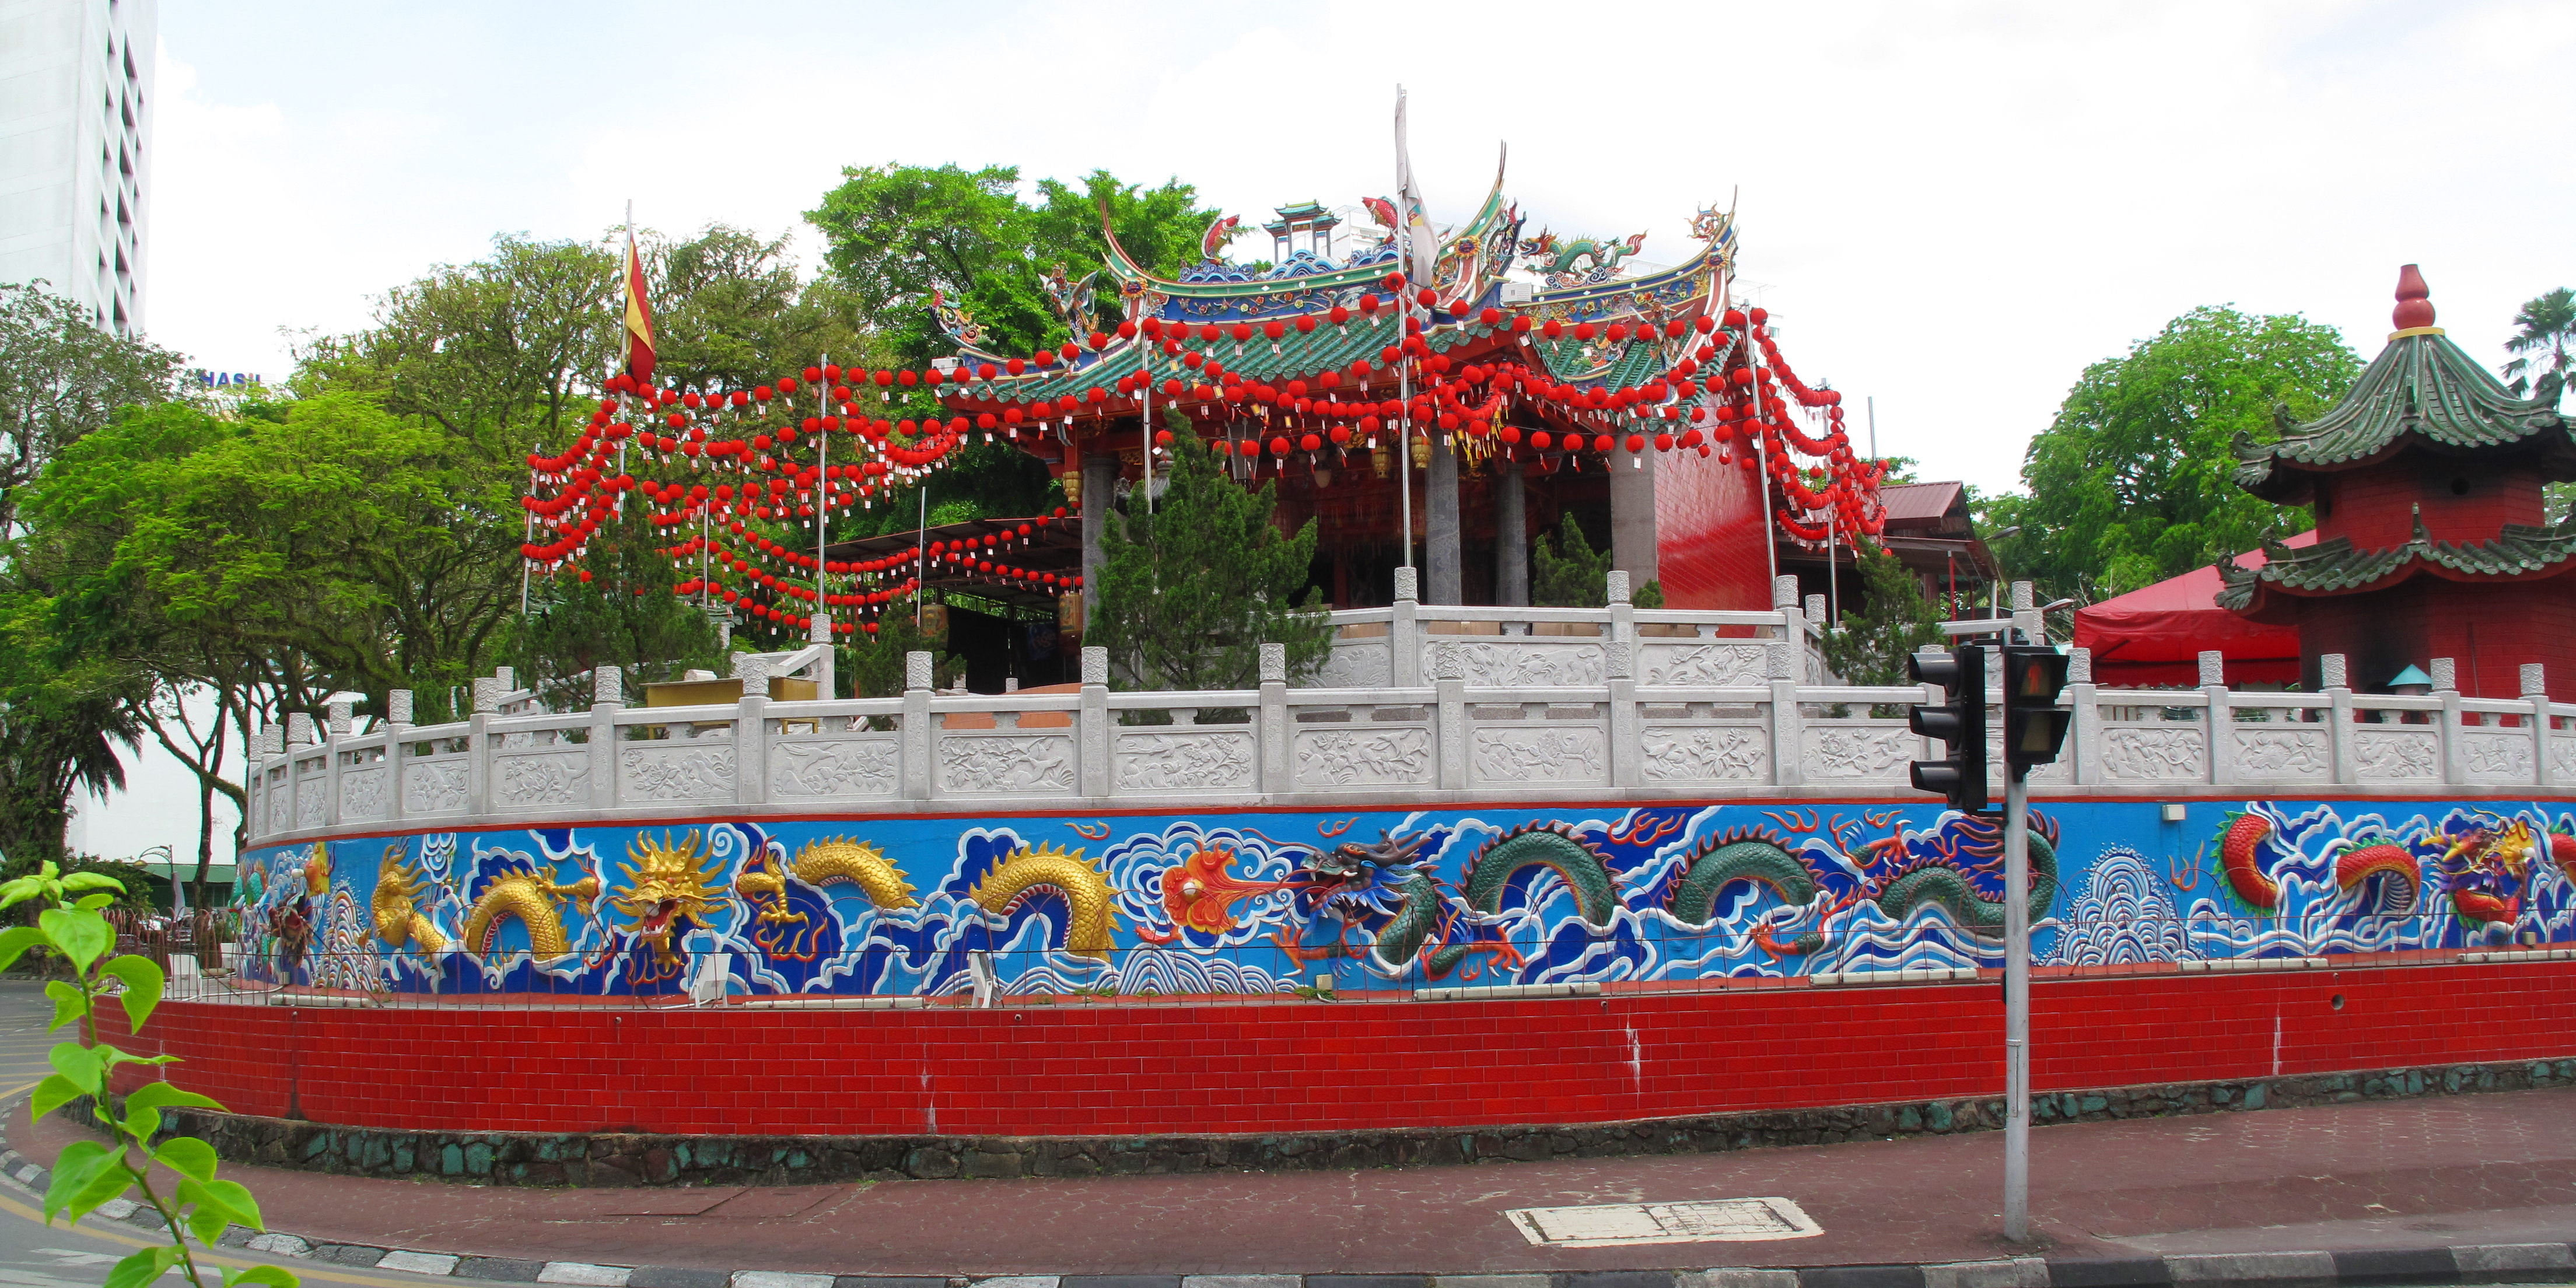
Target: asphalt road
34 1255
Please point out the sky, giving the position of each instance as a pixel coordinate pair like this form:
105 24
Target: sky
1950 208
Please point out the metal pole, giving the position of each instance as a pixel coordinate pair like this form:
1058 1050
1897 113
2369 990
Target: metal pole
1833 582
1761 453
921 555
1145 373
1873 427
1404 425
2016 1003
822 492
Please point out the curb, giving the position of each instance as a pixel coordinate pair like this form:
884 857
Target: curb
2368 1268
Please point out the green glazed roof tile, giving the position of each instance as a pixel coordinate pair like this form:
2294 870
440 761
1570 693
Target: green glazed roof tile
2422 388
2331 567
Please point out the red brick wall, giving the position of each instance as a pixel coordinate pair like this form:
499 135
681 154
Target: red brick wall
2376 506
1296 1067
2489 628
1708 535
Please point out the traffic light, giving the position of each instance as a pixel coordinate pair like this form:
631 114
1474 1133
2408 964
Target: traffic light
1960 722
2034 726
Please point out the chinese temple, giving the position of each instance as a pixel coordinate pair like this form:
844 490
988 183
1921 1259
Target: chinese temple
1530 377
2432 537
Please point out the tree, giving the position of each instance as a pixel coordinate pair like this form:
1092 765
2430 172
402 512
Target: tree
899 233
1189 592
2548 330
1893 619
1571 574
2135 479
61 378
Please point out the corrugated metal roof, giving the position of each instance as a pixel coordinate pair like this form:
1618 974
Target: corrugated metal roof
1918 501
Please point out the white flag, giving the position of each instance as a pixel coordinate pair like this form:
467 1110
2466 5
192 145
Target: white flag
1421 244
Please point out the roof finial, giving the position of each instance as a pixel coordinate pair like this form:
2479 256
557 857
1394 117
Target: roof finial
2414 300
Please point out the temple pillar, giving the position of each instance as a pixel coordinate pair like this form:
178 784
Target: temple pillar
1632 516
1511 537
1099 492
1440 529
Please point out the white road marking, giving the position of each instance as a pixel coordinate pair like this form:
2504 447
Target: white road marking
1613 1225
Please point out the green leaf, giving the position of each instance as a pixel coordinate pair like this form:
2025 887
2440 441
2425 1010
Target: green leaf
81 934
110 1182
188 1156
15 941
143 985
77 1065
161 1095
273 1276
234 1196
53 1093
20 891
143 1266
69 1003
92 881
93 902
80 1163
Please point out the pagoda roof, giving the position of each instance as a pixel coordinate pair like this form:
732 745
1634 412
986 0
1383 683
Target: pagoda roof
2336 567
2421 392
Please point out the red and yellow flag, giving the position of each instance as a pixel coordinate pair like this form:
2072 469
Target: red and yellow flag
639 319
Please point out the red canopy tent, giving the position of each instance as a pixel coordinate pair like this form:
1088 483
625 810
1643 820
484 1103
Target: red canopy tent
2155 635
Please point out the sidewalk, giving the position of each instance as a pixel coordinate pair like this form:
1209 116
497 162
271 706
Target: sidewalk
2497 1168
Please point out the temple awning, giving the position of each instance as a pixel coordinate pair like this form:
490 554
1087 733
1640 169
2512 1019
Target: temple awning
2154 635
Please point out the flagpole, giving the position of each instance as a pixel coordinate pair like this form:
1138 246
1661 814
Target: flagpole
1761 452
822 488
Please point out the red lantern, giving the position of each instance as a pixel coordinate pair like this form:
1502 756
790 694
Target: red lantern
1279 445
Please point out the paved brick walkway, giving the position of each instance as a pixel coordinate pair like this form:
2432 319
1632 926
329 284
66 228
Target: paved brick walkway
2496 1168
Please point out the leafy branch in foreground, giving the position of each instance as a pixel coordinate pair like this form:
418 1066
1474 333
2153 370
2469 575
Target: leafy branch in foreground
89 1173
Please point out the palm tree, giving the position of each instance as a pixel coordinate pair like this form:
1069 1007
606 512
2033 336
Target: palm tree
2548 331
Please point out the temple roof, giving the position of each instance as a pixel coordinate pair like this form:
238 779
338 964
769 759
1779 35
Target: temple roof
2423 392
2335 567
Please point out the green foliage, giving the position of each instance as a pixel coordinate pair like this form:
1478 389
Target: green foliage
2134 480
2545 332
177 1177
625 616
873 666
1190 592
1650 595
1573 574
898 233
62 378
1894 619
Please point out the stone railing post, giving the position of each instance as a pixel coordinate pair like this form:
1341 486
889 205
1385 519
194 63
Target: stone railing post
1404 633
2446 686
478 745
751 731
607 698
820 632
397 724
1793 626
2222 720
299 735
1623 608
1625 752
272 752
1449 717
337 723
1786 739
2085 739
2332 681
917 736
1093 754
2535 690
1274 727
2025 614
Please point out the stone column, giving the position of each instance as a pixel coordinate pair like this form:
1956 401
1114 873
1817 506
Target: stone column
2332 682
1274 719
1632 516
1440 523
2084 743
607 698
2535 690
1511 536
1099 484
916 733
2446 686
2222 718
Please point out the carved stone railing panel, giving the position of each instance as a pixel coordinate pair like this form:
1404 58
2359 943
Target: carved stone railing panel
1715 666
364 793
2155 753
434 786
1001 764
312 792
1674 755
835 768
1522 663
2283 754
1221 760
1357 664
2395 754
1363 757
655 773
534 780
1857 751
1558 753
2496 755
2562 758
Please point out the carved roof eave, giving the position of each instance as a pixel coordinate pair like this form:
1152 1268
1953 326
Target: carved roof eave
2520 553
2421 392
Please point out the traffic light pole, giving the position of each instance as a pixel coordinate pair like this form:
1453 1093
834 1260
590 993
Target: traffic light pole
2016 1005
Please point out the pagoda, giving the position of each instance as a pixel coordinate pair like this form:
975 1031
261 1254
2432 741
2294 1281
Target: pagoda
2432 533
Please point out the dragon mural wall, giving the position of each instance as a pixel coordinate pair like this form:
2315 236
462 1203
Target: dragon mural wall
1278 902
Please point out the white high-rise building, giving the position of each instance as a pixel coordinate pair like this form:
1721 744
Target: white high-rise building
75 139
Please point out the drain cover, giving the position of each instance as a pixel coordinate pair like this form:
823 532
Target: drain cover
1610 1225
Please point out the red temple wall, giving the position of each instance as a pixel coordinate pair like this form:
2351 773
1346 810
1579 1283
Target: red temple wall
2489 628
1709 542
1265 1067
2376 506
